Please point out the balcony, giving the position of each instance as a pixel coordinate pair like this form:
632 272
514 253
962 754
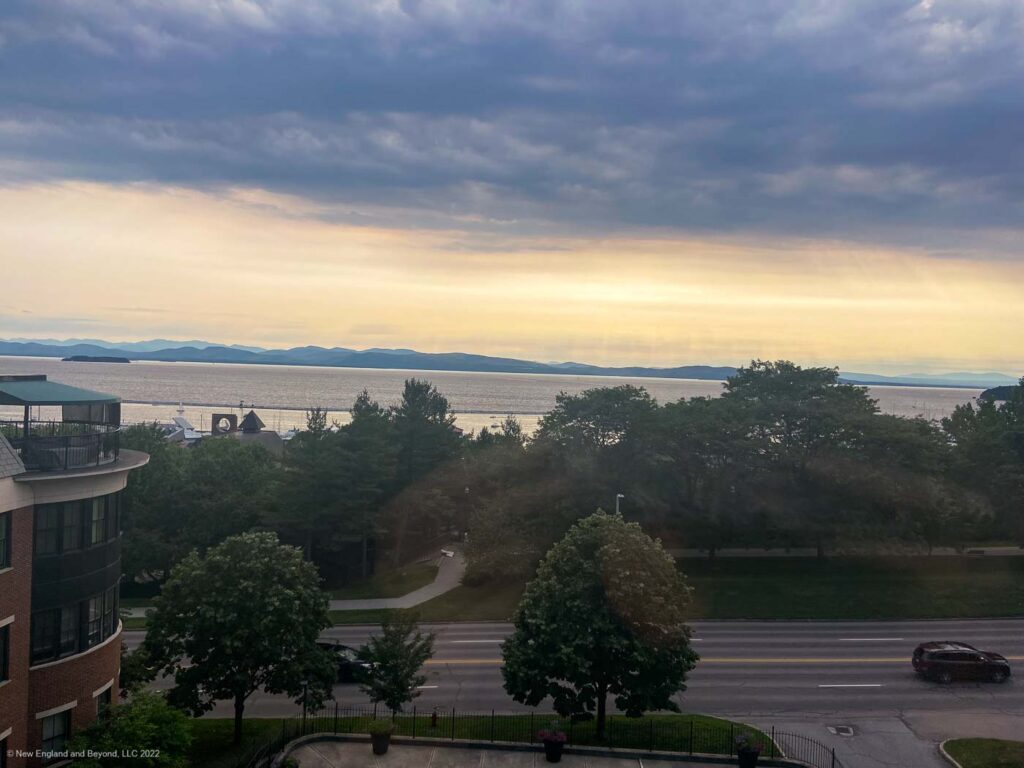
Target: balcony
87 434
49 446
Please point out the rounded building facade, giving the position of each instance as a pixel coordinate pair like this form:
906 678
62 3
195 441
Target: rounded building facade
60 570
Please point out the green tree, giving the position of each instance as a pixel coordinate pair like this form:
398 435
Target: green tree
136 670
243 618
988 455
151 504
605 615
396 657
424 431
146 731
191 498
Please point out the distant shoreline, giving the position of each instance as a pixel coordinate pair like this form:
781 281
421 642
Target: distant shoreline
584 371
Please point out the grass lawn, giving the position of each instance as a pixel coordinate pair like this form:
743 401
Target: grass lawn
490 602
211 740
389 583
856 588
986 753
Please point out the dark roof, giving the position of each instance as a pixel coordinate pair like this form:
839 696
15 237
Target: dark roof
39 391
10 462
252 422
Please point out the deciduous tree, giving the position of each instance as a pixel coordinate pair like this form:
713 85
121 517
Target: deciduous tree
604 616
245 617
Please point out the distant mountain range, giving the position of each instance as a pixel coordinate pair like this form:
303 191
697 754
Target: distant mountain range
341 357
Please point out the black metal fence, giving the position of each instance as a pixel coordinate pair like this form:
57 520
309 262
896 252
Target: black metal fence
57 445
652 733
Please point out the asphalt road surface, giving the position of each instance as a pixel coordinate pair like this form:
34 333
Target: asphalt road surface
749 669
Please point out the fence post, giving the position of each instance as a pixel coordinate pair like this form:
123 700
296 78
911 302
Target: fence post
732 737
335 717
833 757
572 722
492 726
414 722
773 741
650 748
532 732
375 711
611 731
691 736
453 723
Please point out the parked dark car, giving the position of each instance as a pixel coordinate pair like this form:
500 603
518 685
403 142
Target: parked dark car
947 661
350 668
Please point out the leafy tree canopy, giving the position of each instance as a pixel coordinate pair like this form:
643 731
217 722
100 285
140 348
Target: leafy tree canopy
605 615
396 657
243 618
146 731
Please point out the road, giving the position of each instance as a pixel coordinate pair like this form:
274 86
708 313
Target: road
800 676
769 668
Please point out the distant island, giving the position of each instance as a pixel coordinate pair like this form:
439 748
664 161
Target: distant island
95 359
164 350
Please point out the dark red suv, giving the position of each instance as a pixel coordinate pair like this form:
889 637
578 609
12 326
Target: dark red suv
947 661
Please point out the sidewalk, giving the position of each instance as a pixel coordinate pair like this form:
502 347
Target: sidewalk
449 574
332 754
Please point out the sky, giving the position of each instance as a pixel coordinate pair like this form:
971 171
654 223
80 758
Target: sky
635 182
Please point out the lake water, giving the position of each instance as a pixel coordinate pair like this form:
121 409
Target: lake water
151 391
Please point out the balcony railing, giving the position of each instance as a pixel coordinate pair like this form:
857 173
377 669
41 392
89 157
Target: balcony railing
57 445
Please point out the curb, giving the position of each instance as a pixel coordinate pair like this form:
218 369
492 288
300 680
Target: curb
678 757
945 754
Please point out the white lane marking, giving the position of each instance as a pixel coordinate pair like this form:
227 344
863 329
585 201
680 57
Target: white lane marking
425 687
464 642
869 639
850 685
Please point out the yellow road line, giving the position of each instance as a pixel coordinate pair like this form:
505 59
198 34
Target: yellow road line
730 660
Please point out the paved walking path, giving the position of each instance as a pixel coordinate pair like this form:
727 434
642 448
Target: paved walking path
449 575
334 754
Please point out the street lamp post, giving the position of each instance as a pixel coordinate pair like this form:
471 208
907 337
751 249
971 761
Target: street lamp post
618 497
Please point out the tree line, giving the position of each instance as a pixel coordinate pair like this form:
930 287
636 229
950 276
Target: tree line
785 457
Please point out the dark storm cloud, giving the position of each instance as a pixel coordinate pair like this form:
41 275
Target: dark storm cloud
893 121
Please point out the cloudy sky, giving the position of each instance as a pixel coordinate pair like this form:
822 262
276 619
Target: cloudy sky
614 182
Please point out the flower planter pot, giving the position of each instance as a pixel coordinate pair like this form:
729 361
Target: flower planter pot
381 742
747 758
553 750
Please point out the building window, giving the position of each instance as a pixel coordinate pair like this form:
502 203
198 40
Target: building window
99 521
94 627
110 616
68 630
5 540
45 634
56 730
47 538
71 537
5 652
104 701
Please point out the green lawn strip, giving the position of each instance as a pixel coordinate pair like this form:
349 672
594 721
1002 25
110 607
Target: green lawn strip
134 622
389 584
136 602
986 753
211 740
856 588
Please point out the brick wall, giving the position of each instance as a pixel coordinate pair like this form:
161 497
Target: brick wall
73 679
16 600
